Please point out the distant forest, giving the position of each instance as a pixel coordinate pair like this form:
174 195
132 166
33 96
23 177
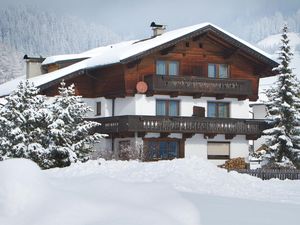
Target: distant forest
30 31
266 26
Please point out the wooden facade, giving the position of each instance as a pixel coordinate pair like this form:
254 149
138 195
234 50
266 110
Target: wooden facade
193 55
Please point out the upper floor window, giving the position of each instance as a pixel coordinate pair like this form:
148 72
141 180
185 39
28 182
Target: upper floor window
167 107
164 67
218 109
218 71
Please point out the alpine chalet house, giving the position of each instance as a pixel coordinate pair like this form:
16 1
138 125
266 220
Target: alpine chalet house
178 94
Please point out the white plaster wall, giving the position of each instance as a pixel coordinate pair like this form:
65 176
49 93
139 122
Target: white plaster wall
142 105
197 146
33 69
125 106
259 112
106 106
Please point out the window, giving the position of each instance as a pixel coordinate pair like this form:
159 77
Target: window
218 150
218 71
167 149
218 109
98 108
167 108
164 67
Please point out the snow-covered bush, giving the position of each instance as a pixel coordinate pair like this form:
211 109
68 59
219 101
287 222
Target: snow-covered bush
283 138
51 133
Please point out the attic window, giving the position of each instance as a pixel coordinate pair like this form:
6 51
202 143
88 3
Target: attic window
187 44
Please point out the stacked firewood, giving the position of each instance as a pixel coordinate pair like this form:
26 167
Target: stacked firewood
236 163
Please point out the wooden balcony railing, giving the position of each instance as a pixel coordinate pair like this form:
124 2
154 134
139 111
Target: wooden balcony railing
192 85
190 125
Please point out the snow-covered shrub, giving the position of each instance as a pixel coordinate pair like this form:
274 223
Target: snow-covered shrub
51 133
283 115
132 151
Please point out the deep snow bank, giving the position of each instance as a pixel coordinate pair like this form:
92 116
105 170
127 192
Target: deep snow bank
31 196
195 175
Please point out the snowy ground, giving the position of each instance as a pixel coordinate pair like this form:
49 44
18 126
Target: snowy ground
185 191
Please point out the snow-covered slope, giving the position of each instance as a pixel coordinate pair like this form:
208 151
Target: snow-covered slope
35 32
178 192
271 45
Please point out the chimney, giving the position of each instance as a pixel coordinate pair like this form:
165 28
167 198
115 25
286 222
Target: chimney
33 66
157 29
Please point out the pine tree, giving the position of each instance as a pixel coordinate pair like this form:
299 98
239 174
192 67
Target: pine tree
283 138
70 135
51 132
22 120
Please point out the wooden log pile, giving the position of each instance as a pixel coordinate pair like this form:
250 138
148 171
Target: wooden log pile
236 163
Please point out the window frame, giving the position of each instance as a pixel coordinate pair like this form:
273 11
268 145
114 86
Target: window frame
157 150
219 157
217 109
167 106
98 108
167 63
217 66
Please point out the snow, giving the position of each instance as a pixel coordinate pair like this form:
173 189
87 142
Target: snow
183 191
115 54
86 54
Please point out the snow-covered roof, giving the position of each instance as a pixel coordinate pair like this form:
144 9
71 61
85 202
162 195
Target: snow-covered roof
86 54
123 51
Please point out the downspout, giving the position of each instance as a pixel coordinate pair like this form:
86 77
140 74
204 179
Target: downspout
113 114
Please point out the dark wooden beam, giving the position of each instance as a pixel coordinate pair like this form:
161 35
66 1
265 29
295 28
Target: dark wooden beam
141 134
149 93
209 136
220 96
198 95
198 37
229 136
242 97
174 94
167 50
252 136
229 53
187 135
164 135
133 63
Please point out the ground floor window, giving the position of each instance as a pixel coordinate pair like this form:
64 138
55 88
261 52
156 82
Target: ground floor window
162 149
218 150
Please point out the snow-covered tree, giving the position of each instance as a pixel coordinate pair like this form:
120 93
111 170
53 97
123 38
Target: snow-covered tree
53 133
69 133
22 120
283 138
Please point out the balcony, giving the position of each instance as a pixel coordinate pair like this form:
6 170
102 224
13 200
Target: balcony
186 125
198 86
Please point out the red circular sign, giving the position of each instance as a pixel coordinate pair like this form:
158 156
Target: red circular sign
141 87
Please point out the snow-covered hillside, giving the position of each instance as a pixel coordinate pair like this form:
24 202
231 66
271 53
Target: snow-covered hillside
271 45
35 32
178 192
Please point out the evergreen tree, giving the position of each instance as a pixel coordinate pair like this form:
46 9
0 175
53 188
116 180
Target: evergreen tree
70 135
51 132
22 121
283 138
